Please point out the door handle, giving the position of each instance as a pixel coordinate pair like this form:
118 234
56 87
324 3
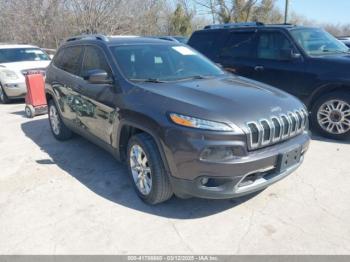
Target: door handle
259 68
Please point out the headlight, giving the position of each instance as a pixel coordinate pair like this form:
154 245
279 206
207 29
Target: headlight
193 122
8 74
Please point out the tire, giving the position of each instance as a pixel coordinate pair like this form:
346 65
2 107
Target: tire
330 115
30 111
59 130
3 97
159 189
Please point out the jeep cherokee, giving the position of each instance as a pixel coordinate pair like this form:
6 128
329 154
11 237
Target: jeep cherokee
180 123
303 61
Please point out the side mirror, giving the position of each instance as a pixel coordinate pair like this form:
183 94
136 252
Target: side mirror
98 76
289 54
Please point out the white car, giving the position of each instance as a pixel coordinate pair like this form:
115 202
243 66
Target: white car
15 62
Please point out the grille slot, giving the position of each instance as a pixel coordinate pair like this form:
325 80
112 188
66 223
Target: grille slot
300 119
266 132
286 126
254 134
278 128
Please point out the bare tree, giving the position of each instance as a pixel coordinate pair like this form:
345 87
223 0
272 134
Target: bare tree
226 11
266 12
47 22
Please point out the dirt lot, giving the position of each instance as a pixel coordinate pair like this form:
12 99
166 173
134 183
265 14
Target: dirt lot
74 198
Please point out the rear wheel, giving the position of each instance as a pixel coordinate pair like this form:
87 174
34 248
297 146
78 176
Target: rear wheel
3 97
58 128
147 171
331 115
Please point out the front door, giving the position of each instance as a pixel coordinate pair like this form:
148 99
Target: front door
276 66
97 111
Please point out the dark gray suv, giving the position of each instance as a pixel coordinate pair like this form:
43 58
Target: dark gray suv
180 123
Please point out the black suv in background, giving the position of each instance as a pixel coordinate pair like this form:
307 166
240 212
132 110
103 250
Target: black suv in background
306 62
180 123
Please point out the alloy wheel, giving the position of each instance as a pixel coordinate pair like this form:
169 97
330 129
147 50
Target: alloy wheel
140 169
333 116
54 120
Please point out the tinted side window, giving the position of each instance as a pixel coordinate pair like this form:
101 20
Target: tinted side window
94 58
240 45
272 45
205 42
69 59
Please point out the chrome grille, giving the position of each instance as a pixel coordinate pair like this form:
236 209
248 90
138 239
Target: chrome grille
276 129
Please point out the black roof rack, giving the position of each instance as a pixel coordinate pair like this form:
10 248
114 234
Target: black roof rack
233 25
283 24
88 37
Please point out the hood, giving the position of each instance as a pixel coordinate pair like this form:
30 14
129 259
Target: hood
332 68
19 66
334 58
228 99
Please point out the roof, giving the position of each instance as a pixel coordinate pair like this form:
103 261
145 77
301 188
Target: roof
9 46
248 25
135 40
117 39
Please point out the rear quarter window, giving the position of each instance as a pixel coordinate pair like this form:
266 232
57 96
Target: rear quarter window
206 42
240 45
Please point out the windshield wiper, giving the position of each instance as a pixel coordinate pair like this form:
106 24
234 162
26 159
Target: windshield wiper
195 77
148 80
336 51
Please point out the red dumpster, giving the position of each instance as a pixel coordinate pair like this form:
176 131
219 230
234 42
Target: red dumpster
36 103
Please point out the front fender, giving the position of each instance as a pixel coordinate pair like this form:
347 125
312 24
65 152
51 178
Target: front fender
146 124
326 88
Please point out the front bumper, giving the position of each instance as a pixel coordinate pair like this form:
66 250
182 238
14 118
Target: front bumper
14 90
251 172
231 189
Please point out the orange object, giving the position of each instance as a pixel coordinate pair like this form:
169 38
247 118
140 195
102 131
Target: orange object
36 103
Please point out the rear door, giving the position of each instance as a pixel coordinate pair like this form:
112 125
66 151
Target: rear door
239 53
66 81
96 113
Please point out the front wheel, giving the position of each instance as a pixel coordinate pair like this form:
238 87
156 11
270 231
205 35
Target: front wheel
147 171
59 130
331 115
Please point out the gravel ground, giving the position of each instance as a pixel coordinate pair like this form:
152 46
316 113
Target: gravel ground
74 198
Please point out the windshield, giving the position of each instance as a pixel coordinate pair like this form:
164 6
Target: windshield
316 41
9 55
163 63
